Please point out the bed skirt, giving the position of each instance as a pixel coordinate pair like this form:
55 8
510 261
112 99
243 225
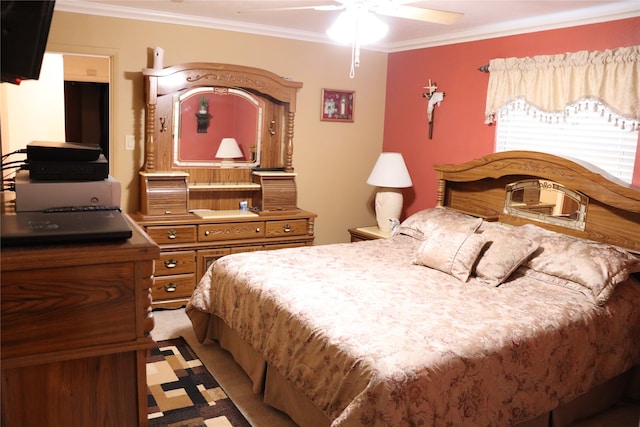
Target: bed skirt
280 394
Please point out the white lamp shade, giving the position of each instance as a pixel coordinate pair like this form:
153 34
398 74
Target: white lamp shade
229 149
390 171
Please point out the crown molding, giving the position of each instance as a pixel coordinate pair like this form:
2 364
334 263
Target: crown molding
115 11
604 13
593 15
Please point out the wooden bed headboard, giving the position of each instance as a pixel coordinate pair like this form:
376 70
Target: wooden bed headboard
478 188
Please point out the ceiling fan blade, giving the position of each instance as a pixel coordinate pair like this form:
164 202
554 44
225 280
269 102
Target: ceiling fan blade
326 7
419 14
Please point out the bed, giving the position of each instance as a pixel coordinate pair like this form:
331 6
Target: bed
491 308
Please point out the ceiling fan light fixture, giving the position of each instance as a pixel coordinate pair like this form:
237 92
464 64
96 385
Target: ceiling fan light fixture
357 25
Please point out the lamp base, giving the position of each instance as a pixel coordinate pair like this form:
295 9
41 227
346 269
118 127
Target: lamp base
388 206
227 163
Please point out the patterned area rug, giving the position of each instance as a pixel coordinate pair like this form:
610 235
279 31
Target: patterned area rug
182 393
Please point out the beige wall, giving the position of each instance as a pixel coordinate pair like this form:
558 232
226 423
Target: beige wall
33 110
333 160
81 68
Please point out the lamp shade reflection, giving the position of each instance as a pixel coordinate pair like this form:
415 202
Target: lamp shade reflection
228 150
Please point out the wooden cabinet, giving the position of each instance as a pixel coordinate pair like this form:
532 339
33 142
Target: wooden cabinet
75 322
190 244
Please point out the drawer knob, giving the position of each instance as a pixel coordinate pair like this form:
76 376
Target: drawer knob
171 263
206 233
170 287
257 229
286 228
172 234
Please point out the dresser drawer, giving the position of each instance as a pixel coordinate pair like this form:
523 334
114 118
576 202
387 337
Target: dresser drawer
230 231
168 234
179 262
73 302
172 287
252 248
284 246
296 227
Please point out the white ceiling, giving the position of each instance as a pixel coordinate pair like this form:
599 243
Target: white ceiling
481 20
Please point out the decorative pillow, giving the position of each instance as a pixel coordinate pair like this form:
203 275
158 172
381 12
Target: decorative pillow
504 252
596 267
450 251
421 224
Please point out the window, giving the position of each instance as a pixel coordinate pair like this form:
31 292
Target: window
582 105
587 131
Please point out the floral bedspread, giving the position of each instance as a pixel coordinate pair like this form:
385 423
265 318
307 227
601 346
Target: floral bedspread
374 340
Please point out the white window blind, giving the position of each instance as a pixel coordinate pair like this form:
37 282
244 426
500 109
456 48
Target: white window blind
586 131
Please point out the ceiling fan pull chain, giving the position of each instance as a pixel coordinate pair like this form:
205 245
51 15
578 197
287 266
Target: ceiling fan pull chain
352 72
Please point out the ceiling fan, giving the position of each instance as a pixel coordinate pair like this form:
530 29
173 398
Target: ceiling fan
394 8
358 24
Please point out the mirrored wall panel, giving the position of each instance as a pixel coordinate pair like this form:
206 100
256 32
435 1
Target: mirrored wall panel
546 201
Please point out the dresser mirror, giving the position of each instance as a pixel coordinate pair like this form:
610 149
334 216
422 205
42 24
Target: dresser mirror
204 116
546 201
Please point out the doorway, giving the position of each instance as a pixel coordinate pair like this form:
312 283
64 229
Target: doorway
87 113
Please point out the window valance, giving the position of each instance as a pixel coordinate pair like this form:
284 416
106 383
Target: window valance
553 82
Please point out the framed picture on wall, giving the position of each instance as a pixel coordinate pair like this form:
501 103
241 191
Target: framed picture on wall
337 105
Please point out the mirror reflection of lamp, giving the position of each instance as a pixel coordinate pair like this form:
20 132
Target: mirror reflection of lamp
390 174
227 151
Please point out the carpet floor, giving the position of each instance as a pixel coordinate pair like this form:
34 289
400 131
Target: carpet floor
182 393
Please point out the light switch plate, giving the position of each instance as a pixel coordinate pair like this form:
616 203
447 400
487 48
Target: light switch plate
129 143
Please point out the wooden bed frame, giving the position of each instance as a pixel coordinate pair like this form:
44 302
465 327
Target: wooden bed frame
478 188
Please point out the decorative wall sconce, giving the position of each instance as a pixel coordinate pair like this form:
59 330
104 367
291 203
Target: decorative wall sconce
203 115
435 98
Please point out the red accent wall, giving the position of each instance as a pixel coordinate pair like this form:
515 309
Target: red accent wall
459 132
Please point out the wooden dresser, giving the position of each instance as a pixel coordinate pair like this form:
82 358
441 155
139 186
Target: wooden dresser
191 201
189 244
75 322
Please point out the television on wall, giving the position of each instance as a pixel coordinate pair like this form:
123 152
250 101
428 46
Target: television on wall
25 29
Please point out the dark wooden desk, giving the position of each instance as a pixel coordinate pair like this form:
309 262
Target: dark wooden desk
74 323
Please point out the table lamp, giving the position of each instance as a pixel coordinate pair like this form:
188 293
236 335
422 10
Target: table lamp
390 174
227 151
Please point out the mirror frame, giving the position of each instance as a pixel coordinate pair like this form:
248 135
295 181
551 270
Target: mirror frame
178 112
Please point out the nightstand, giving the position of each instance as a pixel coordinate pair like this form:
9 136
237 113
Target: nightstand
368 233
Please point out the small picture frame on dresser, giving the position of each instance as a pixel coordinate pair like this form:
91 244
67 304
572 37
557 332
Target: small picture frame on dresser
337 105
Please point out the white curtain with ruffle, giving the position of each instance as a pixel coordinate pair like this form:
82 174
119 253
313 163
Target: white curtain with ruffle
553 83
